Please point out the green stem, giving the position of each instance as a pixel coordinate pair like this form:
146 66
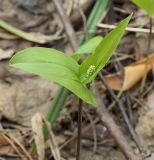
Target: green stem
79 130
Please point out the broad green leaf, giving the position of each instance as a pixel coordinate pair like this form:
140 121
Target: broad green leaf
55 66
87 47
147 5
48 55
97 60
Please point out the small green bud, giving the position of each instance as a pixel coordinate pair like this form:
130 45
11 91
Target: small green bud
90 70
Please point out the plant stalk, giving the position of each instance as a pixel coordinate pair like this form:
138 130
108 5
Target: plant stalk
99 9
150 35
79 130
74 44
148 51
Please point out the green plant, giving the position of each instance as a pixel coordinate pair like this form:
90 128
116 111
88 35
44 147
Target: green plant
147 5
97 12
64 70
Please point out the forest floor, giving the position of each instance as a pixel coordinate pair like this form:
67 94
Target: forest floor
22 94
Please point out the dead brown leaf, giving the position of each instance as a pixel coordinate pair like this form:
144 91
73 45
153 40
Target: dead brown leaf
53 143
38 135
4 54
131 74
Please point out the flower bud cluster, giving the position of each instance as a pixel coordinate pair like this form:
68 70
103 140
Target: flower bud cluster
90 70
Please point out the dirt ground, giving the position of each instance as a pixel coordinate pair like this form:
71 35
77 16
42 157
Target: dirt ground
22 94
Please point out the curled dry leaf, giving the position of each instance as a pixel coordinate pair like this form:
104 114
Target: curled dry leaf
4 54
38 135
131 74
53 143
33 37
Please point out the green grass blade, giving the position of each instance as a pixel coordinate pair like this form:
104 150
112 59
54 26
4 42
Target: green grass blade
58 102
96 14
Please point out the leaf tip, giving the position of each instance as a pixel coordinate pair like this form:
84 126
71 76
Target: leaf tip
94 103
129 17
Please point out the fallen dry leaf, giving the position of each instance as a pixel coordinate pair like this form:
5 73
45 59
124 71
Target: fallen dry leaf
38 135
53 143
4 54
31 36
130 75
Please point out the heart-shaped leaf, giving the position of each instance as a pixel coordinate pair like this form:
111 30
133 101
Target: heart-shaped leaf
147 5
53 65
97 60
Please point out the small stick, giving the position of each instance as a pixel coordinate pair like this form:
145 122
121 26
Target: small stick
131 29
130 112
84 19
85 129
150 35
93 130
127 121
148 51
79 129
67 25
114 129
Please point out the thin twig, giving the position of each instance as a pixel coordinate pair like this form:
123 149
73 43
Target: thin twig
67 25
114 129
147 53
130 113
93 130
83 19
110 107
131 29
22 147
79 129
131 130
86 128
13 145
150 36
